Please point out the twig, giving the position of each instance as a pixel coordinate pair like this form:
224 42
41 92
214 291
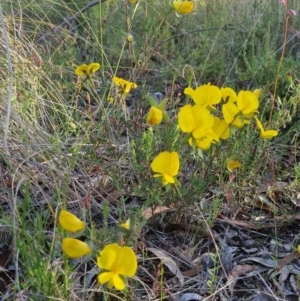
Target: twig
11 78
71 18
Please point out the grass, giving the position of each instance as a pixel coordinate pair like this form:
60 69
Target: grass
68 147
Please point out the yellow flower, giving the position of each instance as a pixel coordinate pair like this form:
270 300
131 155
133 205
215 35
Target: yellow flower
70 222
247 103
183 7
126 225
265 134
194 119
86 70
257 93
154 116
197 121
119 262
299 248
166 165
75 248
124 84
206 95
228 95
221 128
208 137
133 1
232 115
233 164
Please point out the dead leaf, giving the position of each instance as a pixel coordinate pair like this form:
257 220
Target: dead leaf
149 212
283 262
237 271
113 196
267 262
169 262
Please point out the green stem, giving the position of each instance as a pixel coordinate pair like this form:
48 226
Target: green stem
280 63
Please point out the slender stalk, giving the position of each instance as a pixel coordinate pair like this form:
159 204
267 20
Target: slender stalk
286 24
11 78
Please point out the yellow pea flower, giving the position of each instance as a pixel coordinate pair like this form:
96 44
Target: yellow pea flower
133 1
126 225
183 7
269 134
257 93
247 103
124 84
194 119
119 262
228 95
154 116
205 95
233 164
204 143
75 248
87 70
299 248
221 128
166 165
232 115
70 222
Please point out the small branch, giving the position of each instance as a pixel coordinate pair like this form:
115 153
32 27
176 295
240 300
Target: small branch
11 78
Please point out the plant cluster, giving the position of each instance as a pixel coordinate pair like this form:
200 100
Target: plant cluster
116 261
213 117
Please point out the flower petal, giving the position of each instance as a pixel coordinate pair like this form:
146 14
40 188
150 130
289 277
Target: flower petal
207 95
257 93
75 248
185 119
247 102
107 257
154 116
93 67
228 95
166 162
126 262
189 91
268 134
124 84
118 282
126 225
70 222
105 277
82 70
204 144
229 110
259 124
221 128
232 164
183 7
168 179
